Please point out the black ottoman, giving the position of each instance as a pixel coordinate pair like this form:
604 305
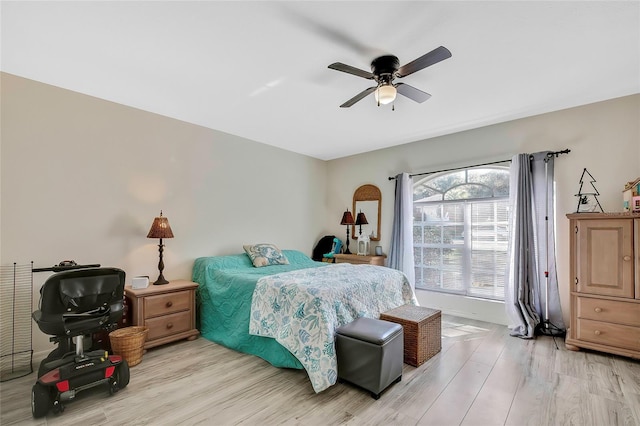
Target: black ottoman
370 354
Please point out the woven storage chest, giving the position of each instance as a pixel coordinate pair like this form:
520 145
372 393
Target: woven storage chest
421 331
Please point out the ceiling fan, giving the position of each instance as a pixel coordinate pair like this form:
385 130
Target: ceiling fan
385 69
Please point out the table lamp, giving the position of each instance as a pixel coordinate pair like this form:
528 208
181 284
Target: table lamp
160 229
347 219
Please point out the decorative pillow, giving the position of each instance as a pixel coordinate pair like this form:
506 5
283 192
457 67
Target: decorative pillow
265 255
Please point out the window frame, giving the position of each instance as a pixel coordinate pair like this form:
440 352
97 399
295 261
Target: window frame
467 268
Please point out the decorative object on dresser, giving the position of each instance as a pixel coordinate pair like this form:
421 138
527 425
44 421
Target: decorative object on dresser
168 311
360 259
631 195
347 219
364 241
160 229
422 331
605 283
367 199
586 204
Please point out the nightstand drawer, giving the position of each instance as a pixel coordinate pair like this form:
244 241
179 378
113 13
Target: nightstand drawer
163 304
168 325
608 310
605 333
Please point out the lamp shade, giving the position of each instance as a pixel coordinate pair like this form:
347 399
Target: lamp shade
361 219
347 218
385 94
160 228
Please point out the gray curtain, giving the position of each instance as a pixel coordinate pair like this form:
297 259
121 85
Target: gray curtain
531 270
544 202
401 250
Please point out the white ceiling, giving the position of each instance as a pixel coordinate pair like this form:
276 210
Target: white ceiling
259 69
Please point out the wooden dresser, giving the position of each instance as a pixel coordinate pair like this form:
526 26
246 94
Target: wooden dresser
605 283
357 259
168 310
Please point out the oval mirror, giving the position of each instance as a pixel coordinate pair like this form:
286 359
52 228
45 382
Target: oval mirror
367 199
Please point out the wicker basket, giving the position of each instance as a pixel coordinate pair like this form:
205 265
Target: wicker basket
129 343
422 331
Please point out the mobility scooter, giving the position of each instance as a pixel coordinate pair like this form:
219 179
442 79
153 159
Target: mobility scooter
74 304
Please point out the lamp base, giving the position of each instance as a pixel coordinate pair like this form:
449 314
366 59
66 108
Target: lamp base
161 280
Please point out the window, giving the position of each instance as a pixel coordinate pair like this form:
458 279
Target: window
461 233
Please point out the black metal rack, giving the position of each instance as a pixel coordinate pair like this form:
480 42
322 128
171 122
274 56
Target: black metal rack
16 290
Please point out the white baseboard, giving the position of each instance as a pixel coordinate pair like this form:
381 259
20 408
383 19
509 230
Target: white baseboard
462 306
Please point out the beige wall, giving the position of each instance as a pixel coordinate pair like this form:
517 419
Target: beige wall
83 178
603 137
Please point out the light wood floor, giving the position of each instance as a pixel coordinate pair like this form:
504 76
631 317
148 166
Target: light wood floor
482 377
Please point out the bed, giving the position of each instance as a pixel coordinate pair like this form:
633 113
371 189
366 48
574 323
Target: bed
287 314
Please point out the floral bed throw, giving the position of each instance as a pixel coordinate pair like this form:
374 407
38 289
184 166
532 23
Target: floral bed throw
302 309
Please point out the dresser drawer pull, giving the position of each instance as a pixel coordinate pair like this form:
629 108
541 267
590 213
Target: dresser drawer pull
597 332
170 326
169 304
598 310
627 258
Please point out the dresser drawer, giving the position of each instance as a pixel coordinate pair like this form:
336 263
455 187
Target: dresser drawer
168 325
359 260
163 304
609 311
356 260
604 333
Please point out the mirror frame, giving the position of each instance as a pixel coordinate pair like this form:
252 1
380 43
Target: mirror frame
367 192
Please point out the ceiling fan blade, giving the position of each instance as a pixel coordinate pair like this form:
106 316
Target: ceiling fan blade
339 66
359 96
436 55
412 93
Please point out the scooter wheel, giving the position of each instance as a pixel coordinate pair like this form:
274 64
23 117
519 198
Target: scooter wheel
40 400
122 374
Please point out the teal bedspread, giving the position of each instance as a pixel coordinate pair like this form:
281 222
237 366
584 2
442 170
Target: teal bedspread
226 285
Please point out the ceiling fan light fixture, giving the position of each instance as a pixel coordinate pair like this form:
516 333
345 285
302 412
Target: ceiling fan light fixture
385 94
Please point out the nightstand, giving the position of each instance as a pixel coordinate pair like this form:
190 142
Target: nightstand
357 259
168 310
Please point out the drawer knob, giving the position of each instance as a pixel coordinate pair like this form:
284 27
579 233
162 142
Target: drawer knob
597 332
598 310
627 258
169 304
170 326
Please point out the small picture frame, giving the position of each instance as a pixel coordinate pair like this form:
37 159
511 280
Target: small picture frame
635 204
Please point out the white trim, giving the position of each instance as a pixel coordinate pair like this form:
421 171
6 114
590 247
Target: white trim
463 306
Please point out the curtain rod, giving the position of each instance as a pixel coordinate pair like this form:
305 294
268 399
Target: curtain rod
549 154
